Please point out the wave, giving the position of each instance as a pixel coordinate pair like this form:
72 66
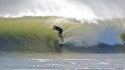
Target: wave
35 33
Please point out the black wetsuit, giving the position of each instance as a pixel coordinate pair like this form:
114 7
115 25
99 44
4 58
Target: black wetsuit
60 30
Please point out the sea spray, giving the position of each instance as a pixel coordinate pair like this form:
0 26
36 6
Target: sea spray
79 9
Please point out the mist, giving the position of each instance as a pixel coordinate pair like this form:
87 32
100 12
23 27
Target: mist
80 9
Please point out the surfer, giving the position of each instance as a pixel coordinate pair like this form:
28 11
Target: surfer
60 31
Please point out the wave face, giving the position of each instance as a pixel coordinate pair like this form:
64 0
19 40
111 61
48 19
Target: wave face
79 9
36 34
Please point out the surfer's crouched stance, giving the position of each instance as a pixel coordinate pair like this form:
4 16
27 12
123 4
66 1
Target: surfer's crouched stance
60 31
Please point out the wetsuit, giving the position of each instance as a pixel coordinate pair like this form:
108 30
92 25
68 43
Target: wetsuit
60 30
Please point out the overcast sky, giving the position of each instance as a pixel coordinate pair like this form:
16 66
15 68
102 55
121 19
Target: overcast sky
68 8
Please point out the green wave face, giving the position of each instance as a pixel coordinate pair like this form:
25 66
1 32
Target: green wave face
35 34
27 34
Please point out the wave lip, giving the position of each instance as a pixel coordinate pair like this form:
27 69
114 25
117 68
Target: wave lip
79 9
61 8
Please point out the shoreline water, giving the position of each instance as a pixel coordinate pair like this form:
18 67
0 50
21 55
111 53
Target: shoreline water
61 61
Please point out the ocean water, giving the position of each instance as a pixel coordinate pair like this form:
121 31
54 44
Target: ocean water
94 35
61 61
36 33
29 43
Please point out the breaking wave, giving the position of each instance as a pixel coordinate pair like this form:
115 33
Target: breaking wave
36 34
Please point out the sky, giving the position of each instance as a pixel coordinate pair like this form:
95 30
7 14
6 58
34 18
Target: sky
79 9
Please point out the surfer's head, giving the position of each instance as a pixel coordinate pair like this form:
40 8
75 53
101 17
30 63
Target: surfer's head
54 27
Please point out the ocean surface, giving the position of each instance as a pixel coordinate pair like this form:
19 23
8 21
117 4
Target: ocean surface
61 61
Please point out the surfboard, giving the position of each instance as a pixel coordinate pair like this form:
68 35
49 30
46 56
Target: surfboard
59 40
62 43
